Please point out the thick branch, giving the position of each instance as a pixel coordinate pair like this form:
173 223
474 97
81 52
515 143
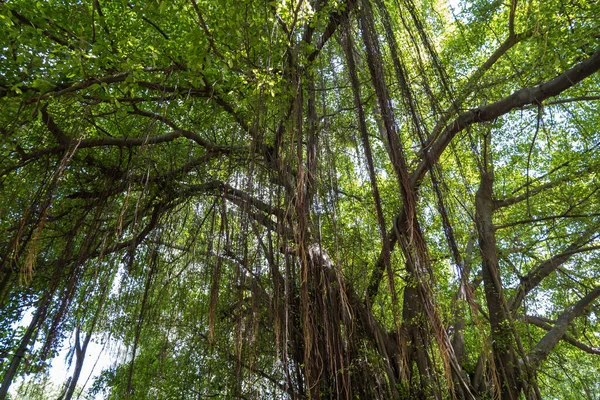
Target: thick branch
541 323
538 273
474 79
487 113
520 98
547 343
334 21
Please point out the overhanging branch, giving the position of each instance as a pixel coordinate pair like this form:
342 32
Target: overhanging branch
531 95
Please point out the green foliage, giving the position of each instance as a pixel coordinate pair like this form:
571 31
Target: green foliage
166 166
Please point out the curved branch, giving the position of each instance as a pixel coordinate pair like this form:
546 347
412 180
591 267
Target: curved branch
548 218
188 134
243 200
335 19
61 90
520 98
473 80
25 21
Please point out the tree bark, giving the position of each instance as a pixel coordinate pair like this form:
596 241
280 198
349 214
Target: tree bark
547 343
23 344
505 361
81 349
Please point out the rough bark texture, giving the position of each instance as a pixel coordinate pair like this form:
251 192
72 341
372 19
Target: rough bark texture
502 340
554 335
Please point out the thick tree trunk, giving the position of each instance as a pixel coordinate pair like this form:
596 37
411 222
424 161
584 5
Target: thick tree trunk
414 325
505 361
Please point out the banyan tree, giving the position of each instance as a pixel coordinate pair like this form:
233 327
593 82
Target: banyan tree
300 199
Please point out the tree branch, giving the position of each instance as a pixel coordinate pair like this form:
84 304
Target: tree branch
541 271
116 142
187 134
60 90
531 95
532 192
572 100
25 21
541 323
548 218
335 19
520 98
508 44
549 341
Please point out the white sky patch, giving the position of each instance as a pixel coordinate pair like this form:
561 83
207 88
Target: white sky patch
102 352
98 357
454 4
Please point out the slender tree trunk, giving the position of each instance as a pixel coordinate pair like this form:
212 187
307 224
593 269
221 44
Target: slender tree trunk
22 349
81 349
80 357
140 321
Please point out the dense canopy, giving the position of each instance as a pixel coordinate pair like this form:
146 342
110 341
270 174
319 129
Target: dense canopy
375 199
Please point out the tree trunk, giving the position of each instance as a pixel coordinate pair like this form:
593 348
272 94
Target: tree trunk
80 349
22 349
505 362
